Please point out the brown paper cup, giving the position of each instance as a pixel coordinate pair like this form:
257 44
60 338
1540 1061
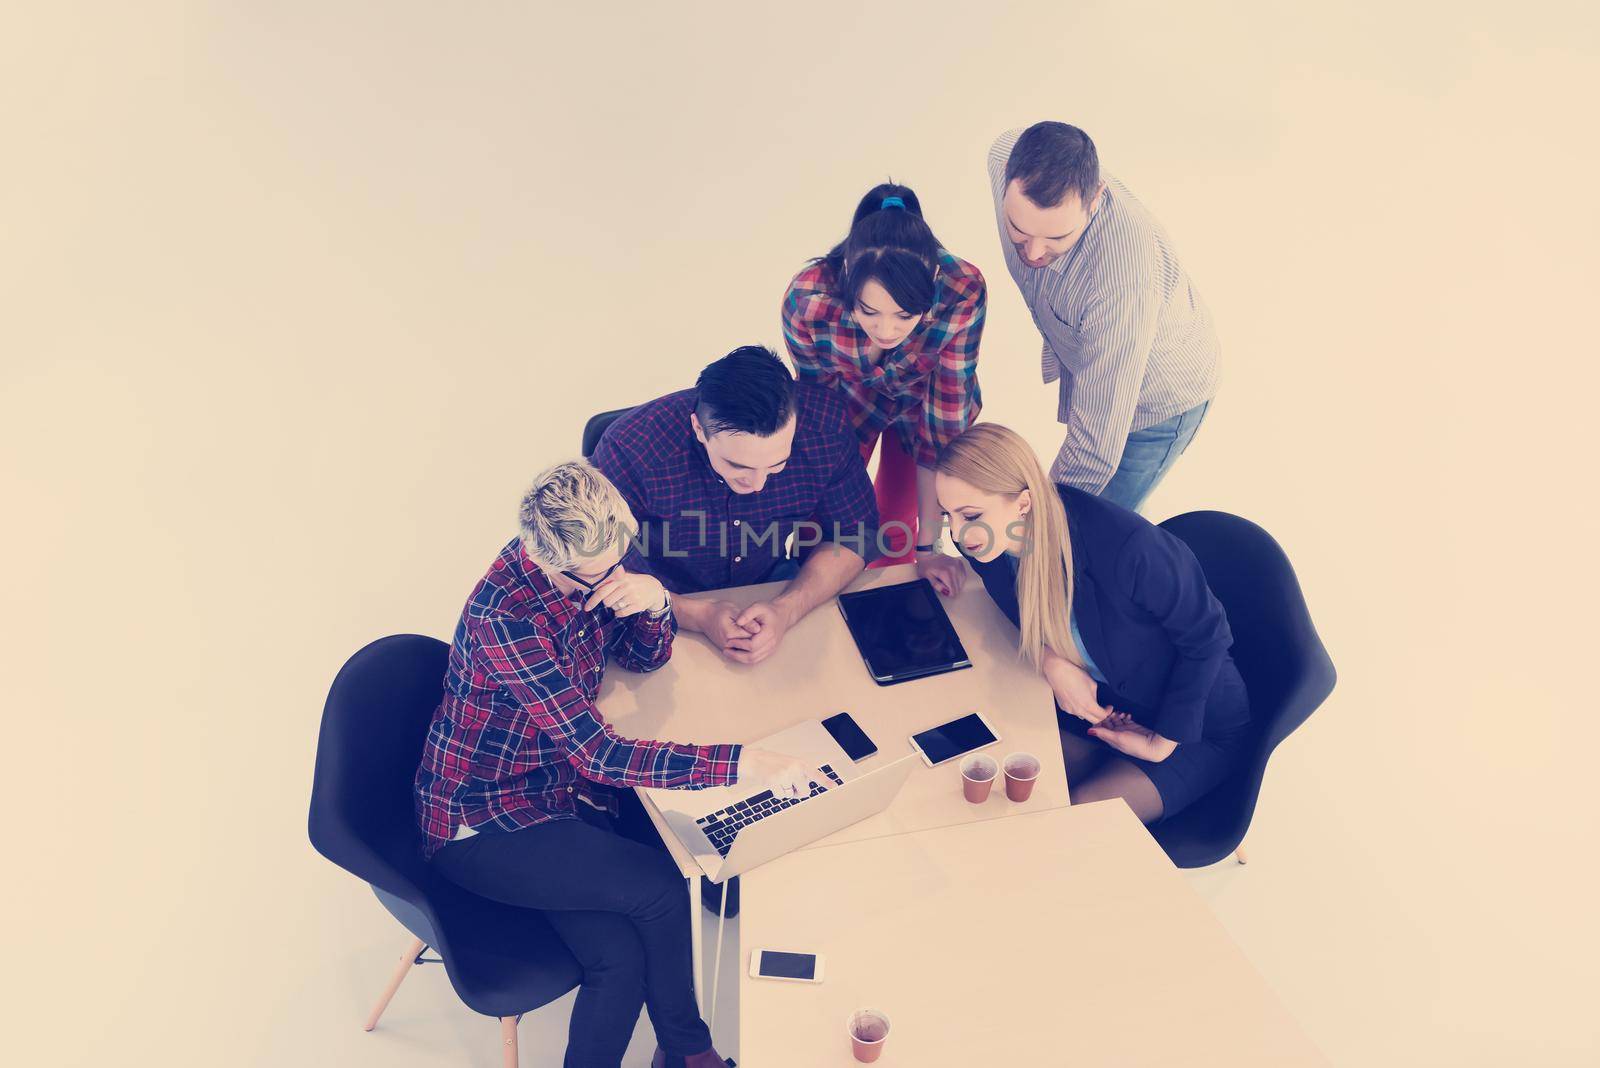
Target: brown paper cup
1022 769
978 774
867 1029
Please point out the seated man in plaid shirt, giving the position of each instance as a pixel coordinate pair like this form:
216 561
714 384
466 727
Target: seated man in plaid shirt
721 475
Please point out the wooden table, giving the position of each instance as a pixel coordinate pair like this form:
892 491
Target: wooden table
1061 937
699 696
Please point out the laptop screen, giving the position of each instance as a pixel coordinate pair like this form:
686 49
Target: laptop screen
903 631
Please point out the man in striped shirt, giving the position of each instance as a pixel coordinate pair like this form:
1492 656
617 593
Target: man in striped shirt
1124 329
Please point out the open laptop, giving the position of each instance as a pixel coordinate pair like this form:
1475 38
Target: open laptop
731 829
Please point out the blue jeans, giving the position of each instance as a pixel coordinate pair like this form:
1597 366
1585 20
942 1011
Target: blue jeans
1148 455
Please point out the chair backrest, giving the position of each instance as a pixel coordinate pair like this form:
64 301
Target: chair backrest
595 428
373 726
1286 670
501 960
1283 661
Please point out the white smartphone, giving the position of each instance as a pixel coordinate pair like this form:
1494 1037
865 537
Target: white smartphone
941 744
789 967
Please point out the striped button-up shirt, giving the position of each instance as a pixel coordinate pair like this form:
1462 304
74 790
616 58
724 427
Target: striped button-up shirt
926 388
1124 329
517 739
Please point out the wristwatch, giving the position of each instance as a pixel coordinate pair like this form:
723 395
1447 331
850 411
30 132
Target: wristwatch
666 605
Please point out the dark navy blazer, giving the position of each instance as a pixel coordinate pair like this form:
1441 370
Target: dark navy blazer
1145 615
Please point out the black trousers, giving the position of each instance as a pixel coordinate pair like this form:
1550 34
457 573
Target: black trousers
620 905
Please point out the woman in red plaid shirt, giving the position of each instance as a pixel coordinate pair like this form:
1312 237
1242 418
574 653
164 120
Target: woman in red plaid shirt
892 321
517 793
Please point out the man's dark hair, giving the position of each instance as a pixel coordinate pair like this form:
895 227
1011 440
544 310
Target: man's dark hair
1053 159
748 391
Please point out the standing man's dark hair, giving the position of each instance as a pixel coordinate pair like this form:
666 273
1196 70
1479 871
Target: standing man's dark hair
748 391
1052 159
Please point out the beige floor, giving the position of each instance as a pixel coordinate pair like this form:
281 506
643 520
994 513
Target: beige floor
298 297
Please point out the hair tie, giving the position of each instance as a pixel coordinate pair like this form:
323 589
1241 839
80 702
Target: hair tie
891 202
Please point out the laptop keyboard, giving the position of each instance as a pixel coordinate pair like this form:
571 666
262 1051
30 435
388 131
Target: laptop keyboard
723 825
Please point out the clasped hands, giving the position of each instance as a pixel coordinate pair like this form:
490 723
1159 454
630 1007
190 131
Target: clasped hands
746 636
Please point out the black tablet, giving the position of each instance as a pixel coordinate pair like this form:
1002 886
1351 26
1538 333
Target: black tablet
902 632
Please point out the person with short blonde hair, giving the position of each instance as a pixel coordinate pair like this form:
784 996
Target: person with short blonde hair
573 514
517 793
1115 613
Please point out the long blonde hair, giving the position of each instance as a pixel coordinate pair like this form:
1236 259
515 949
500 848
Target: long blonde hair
994 459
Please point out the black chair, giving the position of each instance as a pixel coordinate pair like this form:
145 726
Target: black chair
502 961
596 426
1285 667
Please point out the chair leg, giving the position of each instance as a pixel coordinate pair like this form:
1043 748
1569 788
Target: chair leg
1240 855
508 1039
399 977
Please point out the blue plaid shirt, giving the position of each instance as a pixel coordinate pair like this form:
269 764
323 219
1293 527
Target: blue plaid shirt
697 533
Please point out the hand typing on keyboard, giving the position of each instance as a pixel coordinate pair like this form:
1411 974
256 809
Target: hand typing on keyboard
784 775
724 825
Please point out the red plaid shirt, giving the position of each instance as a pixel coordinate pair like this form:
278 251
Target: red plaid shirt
517 739
926 387
697 532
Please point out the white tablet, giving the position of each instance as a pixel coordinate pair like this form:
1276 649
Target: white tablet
941 744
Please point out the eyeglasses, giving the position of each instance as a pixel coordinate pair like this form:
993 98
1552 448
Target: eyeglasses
590 584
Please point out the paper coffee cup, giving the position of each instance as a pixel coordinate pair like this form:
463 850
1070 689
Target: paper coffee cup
1021 771
978 774
867 1029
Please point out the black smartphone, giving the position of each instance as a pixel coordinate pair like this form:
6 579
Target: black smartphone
851 738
